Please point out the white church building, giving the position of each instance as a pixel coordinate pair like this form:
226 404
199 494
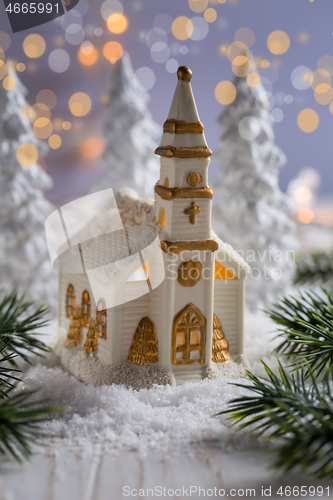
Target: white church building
195 316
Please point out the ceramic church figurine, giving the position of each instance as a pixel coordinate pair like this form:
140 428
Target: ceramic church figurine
195 316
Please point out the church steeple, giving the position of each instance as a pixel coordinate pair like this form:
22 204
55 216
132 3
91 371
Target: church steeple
183 135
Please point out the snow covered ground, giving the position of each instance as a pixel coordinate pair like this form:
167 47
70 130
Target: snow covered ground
112 436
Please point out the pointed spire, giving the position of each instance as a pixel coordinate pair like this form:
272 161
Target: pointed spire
183 135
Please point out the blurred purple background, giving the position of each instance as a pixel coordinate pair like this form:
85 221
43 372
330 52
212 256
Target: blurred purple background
308 24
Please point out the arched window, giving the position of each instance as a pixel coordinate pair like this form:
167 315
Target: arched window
70 301
101 319
86 308
166 182
188 337
161 216
144 347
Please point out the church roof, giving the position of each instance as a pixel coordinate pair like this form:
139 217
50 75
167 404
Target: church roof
183 135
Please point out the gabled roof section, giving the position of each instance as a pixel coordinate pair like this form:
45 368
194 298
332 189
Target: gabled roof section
183 135
231 259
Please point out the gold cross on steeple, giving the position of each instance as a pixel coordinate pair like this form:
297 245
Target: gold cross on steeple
193 211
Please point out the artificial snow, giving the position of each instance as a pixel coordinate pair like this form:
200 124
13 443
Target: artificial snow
163 417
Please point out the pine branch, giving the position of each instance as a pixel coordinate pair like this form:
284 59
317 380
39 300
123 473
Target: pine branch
18 322
308 328
20 419
314 268
297 415
7 377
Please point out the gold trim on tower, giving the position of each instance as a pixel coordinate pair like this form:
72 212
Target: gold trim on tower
192 152
167 193
172 126
174 247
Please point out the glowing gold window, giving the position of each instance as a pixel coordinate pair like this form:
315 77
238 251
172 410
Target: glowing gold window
70 302
86 308
222 273
162 216
101 319
188 337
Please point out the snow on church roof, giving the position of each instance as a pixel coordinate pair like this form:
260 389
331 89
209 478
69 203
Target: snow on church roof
226 255
183 132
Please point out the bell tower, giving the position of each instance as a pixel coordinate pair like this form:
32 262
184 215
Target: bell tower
183 207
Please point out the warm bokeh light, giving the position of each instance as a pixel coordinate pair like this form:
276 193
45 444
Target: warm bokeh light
210 15
9 83
67 125
43 128
88 59
320 76
117 23
79 104
326 63
59 41
278 42
241 66
112 51
253 79
92 147
182 28
305 215
237 49
265 63
39 110
245 36
34 46
302 194
57 124
55 141
225 92
27 154
223 49
198 5
46 97
308 120
20 67
3 69
5 41
303 37
323 94
222 1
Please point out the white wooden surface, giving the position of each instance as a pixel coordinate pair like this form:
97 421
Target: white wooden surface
95 472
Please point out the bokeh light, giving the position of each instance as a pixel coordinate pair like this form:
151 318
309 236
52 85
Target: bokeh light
9 83
46 97
241 66
265 101
112 51
253 79
55 141
301 77
320 76
160 52
163 21
237 49
198 5
39 110
87 55
79 104
305 215
308 120
117 23
27 154
74 34
278 42
3 69
5 41
288 99
66 125
98 31
92 147
245 36
145 78
265 63
210 15
224 49
326 63
249 128
182 28
225 92
302 194
323 94
111 7
34 46
156 35
59 60
277 115
303 37
43 128
59 41
200 28
171 65
57 124
20 67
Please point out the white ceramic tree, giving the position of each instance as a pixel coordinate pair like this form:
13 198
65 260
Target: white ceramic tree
129 157
250 212
24 259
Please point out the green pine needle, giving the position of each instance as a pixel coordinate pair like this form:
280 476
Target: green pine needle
307 331
299 416
20 419
7 372
314 268
18 322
